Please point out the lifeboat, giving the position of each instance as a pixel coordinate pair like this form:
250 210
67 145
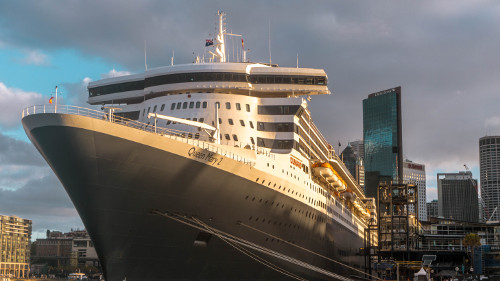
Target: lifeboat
351 196
327 174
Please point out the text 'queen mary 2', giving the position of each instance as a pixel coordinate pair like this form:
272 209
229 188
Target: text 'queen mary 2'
207 171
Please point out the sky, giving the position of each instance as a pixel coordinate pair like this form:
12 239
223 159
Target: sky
444 55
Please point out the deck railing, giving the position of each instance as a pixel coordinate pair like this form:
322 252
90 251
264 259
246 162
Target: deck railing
201 139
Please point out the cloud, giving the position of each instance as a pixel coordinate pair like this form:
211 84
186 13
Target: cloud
12 102
114 73
16 152
43 201
29 189
493 121
35 57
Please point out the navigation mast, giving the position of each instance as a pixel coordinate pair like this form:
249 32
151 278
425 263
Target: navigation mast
220 47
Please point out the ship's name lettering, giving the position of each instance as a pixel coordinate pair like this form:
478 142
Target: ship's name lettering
211 158
296 162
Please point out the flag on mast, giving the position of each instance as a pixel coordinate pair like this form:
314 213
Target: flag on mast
242 44
50 101
209 42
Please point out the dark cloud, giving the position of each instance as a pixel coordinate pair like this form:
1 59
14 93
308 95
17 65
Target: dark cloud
42 200
16 152
444 56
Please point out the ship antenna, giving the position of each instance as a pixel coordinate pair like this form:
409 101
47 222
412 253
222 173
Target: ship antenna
145 60
172 58
297 60
270 42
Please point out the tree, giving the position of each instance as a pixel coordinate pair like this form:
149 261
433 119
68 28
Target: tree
471 241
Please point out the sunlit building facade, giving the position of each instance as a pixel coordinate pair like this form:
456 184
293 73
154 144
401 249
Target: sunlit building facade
414 173
15 236
382 137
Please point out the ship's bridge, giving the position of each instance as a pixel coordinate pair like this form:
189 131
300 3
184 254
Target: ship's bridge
252 79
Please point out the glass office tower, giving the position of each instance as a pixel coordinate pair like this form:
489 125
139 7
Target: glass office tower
382 136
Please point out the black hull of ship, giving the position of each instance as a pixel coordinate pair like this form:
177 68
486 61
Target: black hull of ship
115 182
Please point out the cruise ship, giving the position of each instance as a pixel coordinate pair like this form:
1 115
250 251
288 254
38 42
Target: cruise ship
212 170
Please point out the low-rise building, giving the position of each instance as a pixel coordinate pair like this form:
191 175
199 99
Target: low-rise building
74 248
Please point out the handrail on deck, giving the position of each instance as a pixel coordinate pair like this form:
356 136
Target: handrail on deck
196 139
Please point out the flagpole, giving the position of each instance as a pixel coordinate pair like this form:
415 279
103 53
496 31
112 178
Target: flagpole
55 111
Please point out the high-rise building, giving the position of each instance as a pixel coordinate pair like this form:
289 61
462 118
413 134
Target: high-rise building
457 196
358 148
382 138
489 170
354 164
414 173
15 236
432 209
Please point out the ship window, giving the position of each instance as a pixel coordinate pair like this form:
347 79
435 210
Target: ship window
235 137
227 137
197 135
238 106
261 126
172 107
143 111
204 104
251 139
220 121
179 105
230 121
191 104
248 107
188 118
168 122
202 119
162 107
154 109
228 105
261 142
149 108
195 119
242 123
185 105
198 104
251 124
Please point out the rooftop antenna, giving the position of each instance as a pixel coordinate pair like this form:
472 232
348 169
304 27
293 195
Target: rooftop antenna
145 60
270 61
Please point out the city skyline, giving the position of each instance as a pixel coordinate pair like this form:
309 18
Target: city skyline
443 56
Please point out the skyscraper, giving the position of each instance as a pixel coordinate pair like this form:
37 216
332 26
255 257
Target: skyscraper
15 235
358 148
415 174
457 196
489 170
382 137
354 164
